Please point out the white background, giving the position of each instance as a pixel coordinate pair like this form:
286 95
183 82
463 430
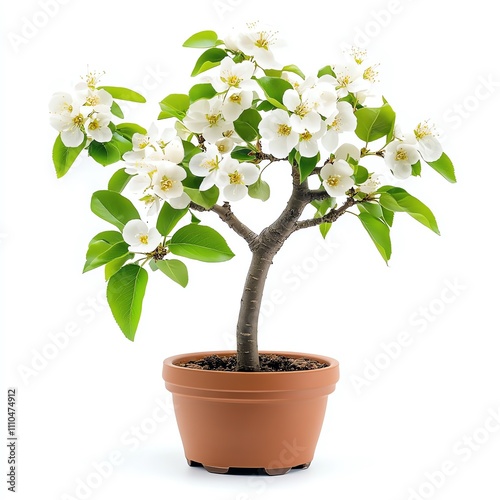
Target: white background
381 439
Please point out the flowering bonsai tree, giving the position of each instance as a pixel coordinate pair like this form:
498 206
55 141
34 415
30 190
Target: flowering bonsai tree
246 114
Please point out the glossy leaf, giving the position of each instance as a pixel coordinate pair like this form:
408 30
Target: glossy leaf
444 166
113 207
326 70
102 252
247 125
115 265
291 68
274 88
175 270
202 40
63 157
399 200
125 294
174 106
124 94
260 190
206 199
119 180
307 165
168 218
121 143
201 91
379 233
104 153
209 59
324 229
243 154
374 123
200 243
127 130
116 110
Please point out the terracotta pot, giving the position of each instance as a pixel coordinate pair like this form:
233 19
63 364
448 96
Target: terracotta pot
269 420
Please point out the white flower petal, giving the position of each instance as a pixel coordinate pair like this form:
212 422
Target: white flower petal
234 192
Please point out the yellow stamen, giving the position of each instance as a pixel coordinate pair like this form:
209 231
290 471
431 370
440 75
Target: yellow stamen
284 129
166 183
143 238
236 178
333 180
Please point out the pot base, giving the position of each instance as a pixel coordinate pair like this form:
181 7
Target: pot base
245 470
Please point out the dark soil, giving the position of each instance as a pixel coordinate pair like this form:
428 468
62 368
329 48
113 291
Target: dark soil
268 363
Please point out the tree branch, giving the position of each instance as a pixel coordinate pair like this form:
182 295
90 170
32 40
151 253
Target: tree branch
331 216
226 215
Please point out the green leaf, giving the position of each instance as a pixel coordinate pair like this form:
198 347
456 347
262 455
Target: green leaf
444 166
194 219
324 228
119 180
326 70
125 293
379 233
207 199
174 106
121 143
168 218
116 110
64 157
242 153
260 190
103 248
399 200
247 125
307 165
388 216
360 174
209 59
127 130
323 206
202 40
374 123
372 208
175 270
291 68
200 243
201 91
104 153
416 169
114 208
274 88
265 106
124 94
189 151
115 265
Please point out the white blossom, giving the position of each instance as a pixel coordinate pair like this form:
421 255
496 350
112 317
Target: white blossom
167 180
234 76
206 165
424 137
304 116
235 102
97 127
349 79
308 143
399 157
141 238
234 177
276 129
342 120
337 177
205 117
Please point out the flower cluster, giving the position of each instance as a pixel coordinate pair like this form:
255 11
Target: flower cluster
86 113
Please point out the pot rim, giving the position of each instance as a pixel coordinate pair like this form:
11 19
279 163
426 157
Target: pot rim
171 360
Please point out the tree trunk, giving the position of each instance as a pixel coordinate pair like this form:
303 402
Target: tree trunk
268 244
246 336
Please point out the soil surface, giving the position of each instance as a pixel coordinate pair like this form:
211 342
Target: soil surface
268 363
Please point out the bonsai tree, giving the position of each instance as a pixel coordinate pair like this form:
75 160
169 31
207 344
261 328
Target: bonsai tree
246 114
